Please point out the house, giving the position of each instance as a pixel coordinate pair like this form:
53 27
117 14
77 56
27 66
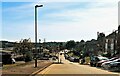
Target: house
118 41
111 43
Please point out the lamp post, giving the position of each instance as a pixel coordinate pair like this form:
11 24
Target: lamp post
36 33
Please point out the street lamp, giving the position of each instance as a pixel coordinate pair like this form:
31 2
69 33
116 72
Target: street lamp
36 32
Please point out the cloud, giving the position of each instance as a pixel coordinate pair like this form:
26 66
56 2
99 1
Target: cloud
60 0
82 24
66 21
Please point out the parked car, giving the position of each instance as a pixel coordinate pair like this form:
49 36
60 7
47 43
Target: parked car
76 59
82 60
9 61
114 66
71 59
13 61
95 59
105 65
21 58
43 58
60 53
6 59
66 56
102 61
54 57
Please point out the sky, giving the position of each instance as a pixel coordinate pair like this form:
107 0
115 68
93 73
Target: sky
58 20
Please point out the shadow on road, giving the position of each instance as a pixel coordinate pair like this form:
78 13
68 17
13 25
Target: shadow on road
58 63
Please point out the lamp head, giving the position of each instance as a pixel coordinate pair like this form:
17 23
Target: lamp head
39 6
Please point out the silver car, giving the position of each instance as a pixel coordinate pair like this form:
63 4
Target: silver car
105 65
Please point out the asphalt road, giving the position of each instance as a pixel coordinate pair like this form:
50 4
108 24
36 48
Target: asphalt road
74 69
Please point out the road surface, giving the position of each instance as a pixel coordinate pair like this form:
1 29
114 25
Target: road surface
74 69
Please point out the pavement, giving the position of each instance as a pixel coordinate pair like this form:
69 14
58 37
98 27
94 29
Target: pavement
36 72
67 68
24 69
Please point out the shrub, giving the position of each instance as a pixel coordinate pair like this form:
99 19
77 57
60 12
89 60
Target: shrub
28 56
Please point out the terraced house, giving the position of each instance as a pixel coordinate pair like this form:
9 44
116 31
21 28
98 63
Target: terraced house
112 42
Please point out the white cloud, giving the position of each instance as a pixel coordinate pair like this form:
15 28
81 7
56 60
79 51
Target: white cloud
81 24
60 0
84 24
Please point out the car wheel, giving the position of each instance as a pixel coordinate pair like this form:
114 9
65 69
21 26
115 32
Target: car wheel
94 65
91 64
97 65
13 62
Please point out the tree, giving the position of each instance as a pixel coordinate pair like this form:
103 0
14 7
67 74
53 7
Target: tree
100 36
82 41
28 56
70 44
16 48
24 47
101 42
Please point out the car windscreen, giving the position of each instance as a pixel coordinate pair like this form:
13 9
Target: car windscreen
103 58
